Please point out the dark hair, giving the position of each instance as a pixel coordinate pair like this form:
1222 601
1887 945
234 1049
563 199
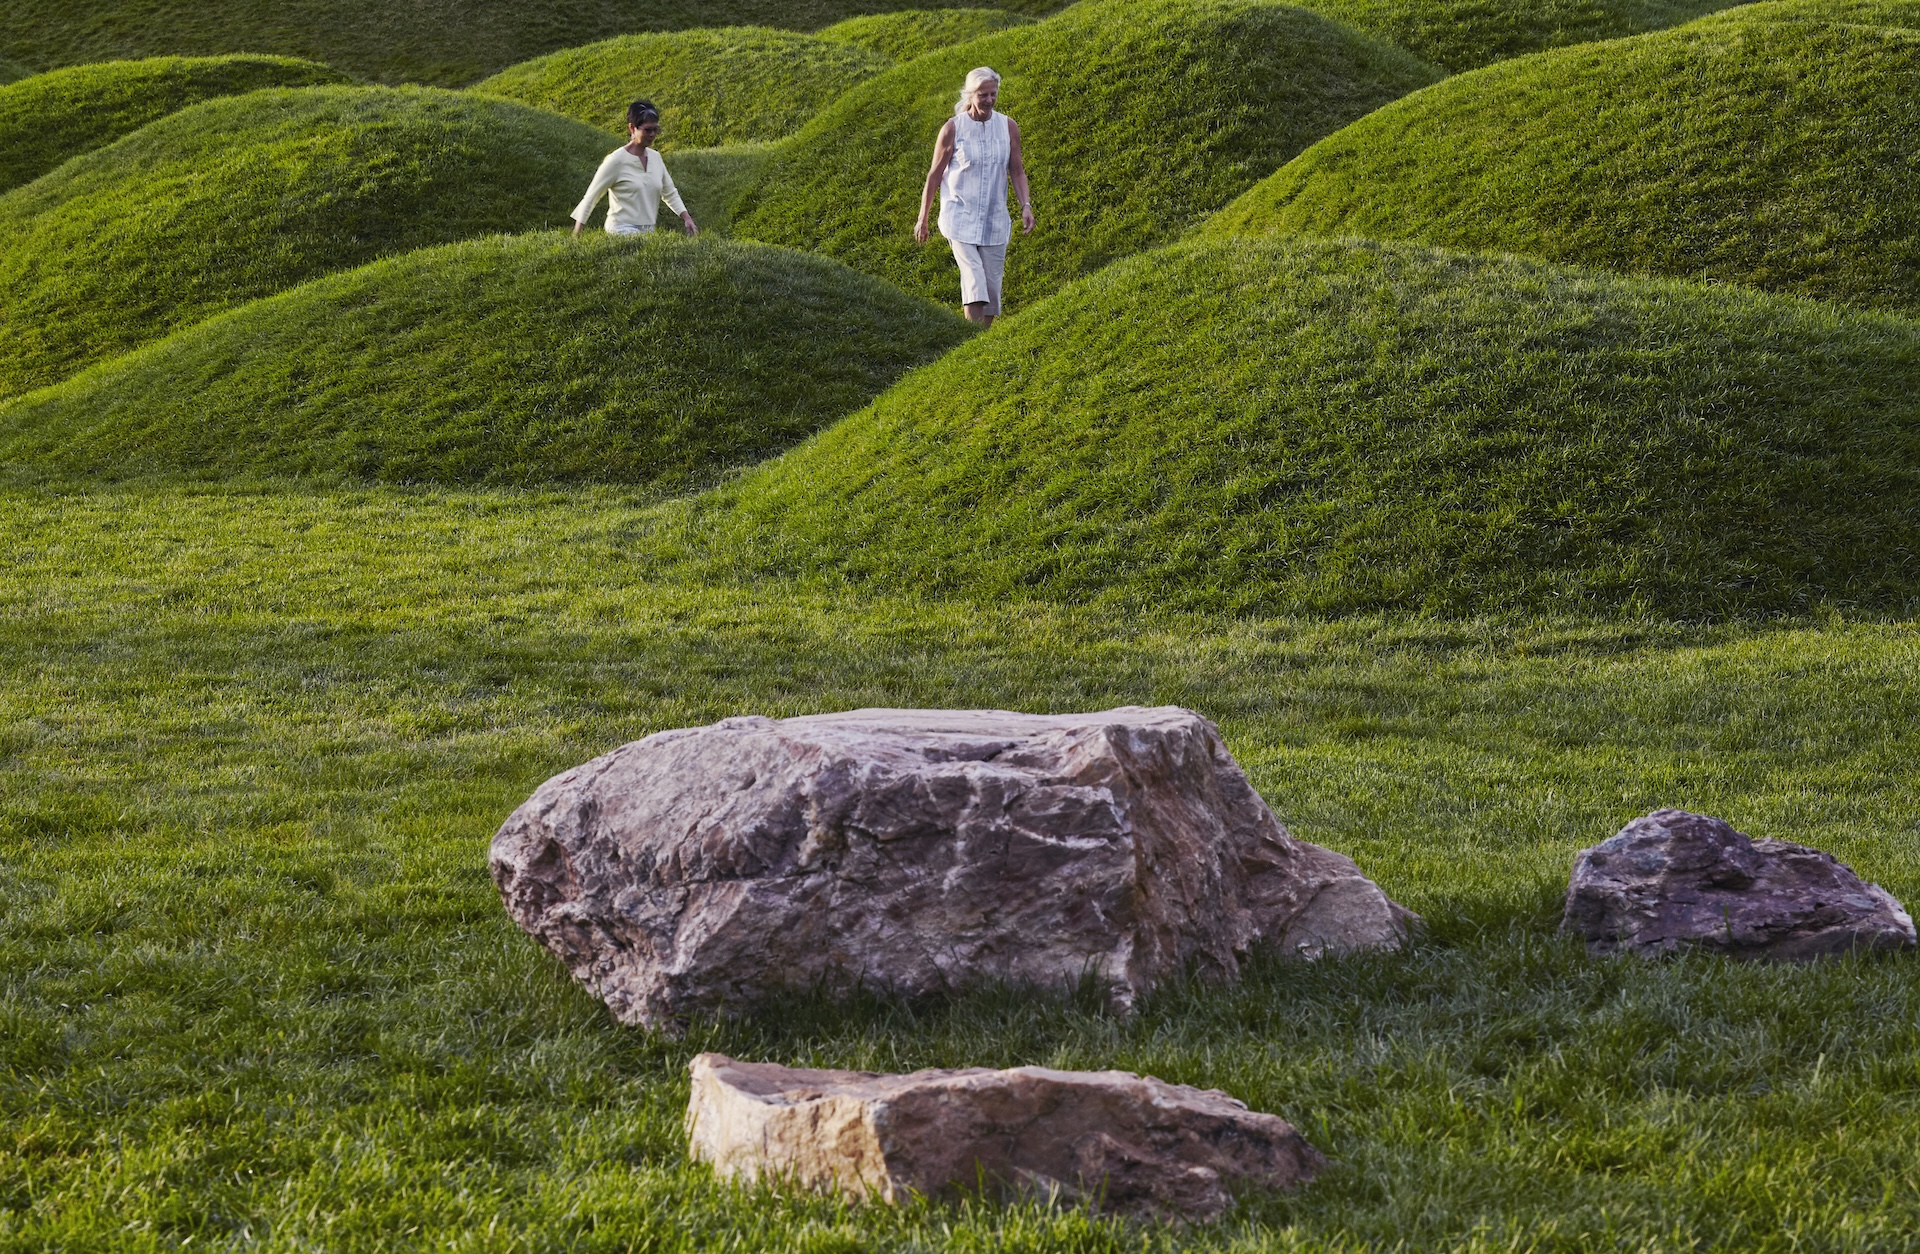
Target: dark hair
641 112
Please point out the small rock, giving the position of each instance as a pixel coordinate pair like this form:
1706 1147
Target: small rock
1130 1144
914 851
1676 880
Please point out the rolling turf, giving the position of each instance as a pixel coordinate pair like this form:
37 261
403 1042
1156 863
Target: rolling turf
1138 121
512 360
241 197
67 112
739 84
1467 34
913 33
1267 426
389 41
1740 148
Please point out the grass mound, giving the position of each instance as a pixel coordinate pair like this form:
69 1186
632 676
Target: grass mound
1740 148
740 84
1136 122
13 71
66 112
913 33
714 181
1250 425
390 41
509 360
233 199
1467 34
1904 14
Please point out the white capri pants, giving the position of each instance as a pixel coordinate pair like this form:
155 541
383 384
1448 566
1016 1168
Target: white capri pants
981 267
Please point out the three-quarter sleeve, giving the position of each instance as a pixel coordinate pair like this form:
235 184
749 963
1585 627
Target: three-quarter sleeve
668 192
602 180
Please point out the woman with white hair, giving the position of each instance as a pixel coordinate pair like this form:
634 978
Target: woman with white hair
975 154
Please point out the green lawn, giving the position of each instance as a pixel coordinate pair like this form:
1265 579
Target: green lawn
512 360
1467 34
1901 14
733 85
1137 120
242 197
913 33
335 521
67 112
391 41
256 988
1742 148
1272 426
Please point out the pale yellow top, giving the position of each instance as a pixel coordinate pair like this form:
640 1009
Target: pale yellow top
634 193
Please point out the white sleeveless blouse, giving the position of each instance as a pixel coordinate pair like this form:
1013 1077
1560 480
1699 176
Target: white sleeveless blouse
973 196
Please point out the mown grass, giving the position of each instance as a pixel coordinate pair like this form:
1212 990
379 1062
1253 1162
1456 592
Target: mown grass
67 112
913 33
256 988
1903 14
1467 34
714 181
733 85
13 71
1137 122
389 41
237 198
1740 148
1259 426
529 359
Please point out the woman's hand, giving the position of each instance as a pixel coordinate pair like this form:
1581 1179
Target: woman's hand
1026 219
686 220
920 231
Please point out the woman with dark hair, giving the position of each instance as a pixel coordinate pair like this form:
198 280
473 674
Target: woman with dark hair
974 155
635 181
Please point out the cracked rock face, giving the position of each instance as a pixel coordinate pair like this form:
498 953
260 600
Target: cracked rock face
1131 1144
913 851
1675 880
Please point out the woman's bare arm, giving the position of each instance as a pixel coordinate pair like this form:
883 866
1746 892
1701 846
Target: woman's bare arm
1017 168
942 154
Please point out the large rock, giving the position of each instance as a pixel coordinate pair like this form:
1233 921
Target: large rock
1675 880
1128 1143
912 851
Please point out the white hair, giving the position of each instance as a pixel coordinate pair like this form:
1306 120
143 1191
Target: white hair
985 74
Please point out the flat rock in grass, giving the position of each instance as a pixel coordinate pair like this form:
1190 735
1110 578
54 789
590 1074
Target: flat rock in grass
711 869
1130 1144
1674 880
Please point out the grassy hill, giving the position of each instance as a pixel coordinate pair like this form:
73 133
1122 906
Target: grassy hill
1467 34
390 41
1137 120
1740 148
13 71
1904 14
237 198
66 112
733 85
510 360
1257 426
913 33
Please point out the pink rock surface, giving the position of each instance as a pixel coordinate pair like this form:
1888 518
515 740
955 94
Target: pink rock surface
1128 1143
913 851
